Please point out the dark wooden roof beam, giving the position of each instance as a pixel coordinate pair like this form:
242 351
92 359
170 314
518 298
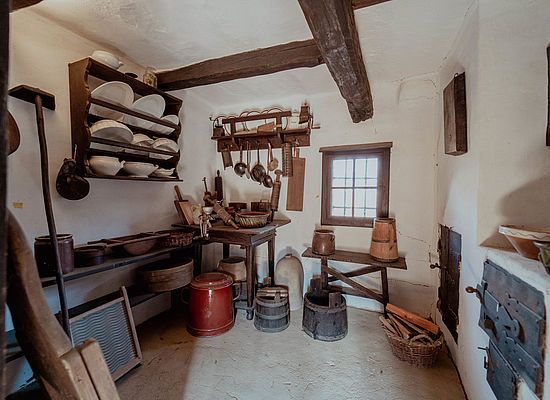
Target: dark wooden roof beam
243 65
332 23
356 4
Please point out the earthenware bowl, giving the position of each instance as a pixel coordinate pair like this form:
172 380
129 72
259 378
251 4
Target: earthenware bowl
139 169
103 165
523 238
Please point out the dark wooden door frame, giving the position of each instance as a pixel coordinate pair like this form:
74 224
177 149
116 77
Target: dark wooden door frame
4 63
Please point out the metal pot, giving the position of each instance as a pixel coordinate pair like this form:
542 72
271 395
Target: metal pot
45 257
323 242
211 304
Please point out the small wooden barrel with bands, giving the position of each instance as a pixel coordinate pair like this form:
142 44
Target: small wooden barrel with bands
164 276
272 309
383 245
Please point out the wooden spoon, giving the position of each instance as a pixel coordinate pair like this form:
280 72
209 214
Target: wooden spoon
273 162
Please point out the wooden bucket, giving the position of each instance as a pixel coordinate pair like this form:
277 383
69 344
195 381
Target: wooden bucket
272 309
165 276
325 316
383 245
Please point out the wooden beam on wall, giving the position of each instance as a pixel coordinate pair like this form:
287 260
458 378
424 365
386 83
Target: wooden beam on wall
333 26
365 3
243 65
17 4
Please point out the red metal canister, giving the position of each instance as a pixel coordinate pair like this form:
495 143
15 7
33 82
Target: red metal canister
210 304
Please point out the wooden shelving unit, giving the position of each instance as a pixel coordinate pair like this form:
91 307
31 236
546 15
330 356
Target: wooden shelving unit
234 140
82 120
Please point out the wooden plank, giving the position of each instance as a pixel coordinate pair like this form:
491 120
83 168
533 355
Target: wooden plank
295 191
93 359
18 4
357 272
414 318
357 258
263 61
353 284
332 24
403 330
356 147
455 116
347 290
357 4
548 121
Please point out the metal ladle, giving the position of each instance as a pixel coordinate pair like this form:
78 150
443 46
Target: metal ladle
267 181
240 167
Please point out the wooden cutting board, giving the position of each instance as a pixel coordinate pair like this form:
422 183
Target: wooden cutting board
295 191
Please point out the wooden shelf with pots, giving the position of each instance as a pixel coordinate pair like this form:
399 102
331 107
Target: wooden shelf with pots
80 74
234 140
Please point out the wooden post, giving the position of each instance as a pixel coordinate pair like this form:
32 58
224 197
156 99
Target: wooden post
4 58
271 259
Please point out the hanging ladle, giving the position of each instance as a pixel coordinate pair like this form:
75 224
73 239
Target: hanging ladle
267 181
258 171
273 162
240 167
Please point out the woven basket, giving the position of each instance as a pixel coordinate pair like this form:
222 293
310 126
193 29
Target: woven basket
177 239
418 354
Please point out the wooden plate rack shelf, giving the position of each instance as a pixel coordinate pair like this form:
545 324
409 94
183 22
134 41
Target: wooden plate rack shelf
233 141
82 120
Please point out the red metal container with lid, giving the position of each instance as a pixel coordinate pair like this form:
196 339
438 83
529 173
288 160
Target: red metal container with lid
210 304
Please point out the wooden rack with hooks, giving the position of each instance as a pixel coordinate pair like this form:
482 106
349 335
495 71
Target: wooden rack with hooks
259 140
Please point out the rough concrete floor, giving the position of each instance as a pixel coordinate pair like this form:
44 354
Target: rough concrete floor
245 363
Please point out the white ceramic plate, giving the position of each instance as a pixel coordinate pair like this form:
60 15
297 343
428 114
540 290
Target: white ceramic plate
114 92
166 129
166 145
112 130
152 105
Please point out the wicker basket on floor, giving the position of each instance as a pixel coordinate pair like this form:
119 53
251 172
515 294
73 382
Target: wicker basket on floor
416 353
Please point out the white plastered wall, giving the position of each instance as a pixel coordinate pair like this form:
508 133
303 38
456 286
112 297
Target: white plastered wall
504 176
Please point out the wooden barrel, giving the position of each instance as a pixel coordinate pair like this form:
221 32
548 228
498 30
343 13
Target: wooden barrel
383 246
164 276
272 309
325 316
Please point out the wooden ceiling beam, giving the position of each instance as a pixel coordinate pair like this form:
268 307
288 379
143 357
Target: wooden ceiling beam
18 4
356 4
243 65
333 26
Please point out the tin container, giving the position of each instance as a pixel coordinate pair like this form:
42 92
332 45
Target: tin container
211 304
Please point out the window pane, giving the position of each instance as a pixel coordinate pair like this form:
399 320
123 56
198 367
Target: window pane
360 167
371 212
347 212
338 197
337 212
371 198
360 198
349 168
359 212
371 182
372 167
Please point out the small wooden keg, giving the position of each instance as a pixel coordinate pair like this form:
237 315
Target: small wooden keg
383 245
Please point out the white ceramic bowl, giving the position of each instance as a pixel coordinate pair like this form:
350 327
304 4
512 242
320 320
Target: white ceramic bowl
166 145
152 105
163 172
103 165
139 169
113 92
166 129
107 58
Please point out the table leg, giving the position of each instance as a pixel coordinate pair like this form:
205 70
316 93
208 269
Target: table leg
197 262
385 291
225 250
250 282
271 259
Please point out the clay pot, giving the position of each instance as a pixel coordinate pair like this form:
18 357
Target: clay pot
383 245
210 304
45 256
324 242
289 273
88 255
233 266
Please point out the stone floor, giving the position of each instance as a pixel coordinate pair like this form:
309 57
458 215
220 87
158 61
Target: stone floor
245 363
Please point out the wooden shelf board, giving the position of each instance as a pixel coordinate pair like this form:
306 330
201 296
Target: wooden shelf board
132 146
110 263
244 136
128 111
135 129
357 258
99 70
133 178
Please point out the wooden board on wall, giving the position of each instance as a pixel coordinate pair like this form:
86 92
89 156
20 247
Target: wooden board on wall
454 113
548 122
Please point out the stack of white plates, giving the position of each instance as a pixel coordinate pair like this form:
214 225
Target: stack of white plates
114 92
152 105
166 145
166 129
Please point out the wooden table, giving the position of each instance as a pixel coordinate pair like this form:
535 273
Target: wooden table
356 289
248 239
